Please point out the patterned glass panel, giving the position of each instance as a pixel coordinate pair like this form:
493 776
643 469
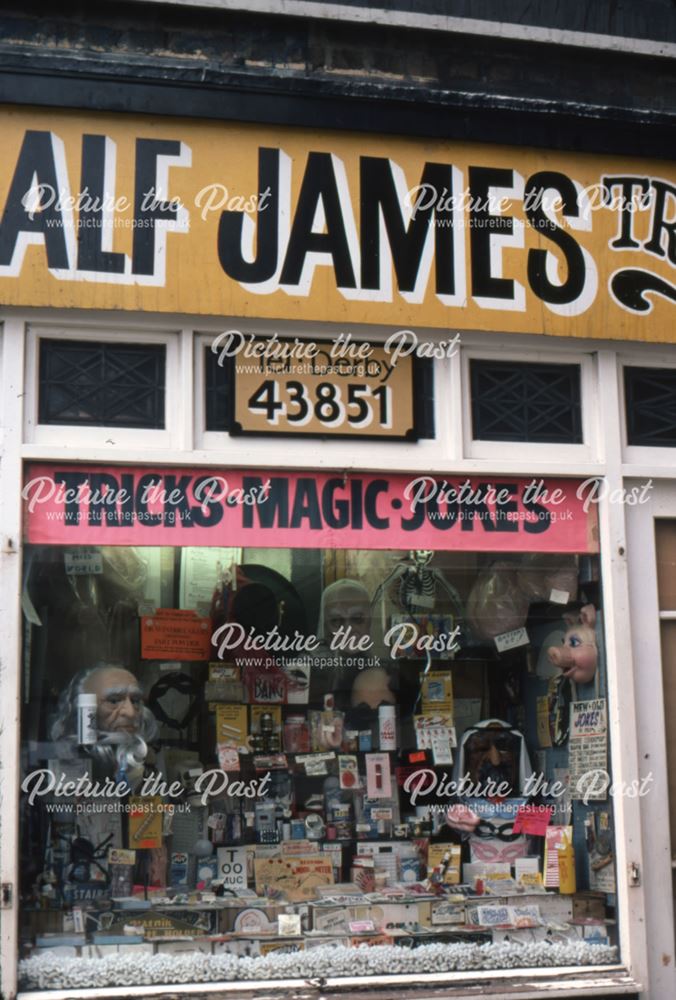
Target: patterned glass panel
650 395
217 391
514 401
102 385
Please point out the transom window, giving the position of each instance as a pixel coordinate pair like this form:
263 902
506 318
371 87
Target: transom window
524 401
102 384
650 399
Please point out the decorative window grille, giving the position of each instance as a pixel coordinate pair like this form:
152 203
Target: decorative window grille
217 392
650 398
515 401
101 385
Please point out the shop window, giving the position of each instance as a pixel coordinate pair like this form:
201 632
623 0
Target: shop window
103 384
515 401
256 751
650 399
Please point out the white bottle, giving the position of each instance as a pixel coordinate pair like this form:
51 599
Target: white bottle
86 719
388 727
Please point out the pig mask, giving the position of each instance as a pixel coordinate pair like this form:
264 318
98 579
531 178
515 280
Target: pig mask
578 655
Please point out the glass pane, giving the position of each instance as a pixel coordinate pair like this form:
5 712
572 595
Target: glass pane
651 406
96 385
269 758
665 550
526 402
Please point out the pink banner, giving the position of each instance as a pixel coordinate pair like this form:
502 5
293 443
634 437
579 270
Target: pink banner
113 505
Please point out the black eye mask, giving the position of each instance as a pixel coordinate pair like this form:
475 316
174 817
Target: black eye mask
184 685
501 831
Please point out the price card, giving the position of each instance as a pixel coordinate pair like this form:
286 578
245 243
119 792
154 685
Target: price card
288 924
145 821
232 867
175 635
588 750
511 640
84 561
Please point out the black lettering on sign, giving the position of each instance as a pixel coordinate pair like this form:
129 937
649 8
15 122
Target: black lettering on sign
127 503
150 210
318 194
628 205
504 507
209 510
476 508
416 519
441 518
542 515
72 481
306 505
336 511
357 521
485 225
630 285
231 243
373 491
572 287
143 492
274 513
33 211
381 198
104 491
97 155
176 505
664 222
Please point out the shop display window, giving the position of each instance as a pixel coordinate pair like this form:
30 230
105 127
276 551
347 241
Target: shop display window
270 763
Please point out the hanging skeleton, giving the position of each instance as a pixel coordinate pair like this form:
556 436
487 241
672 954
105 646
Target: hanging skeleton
419 589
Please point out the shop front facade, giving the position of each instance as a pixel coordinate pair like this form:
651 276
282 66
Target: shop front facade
331 465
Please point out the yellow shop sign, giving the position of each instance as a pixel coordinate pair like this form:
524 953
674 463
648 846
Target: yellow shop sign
211 218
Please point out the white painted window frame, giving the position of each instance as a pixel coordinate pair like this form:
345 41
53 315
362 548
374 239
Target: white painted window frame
585 452
311 452
444 454
644 455
651 733
110 437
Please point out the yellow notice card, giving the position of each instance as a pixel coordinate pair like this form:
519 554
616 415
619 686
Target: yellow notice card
231 725
297 878
145 821
437 858
544 736
274 710
437 693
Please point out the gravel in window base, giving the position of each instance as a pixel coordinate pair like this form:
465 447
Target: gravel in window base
57 972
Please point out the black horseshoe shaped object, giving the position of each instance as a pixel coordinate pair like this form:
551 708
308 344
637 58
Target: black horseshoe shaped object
631 285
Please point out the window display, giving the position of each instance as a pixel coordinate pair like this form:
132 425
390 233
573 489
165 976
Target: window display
330 763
